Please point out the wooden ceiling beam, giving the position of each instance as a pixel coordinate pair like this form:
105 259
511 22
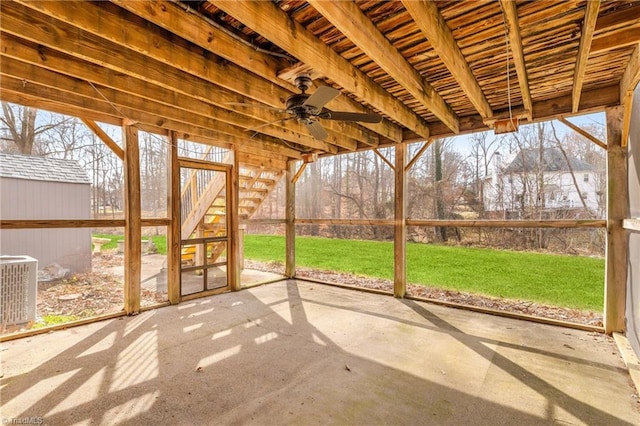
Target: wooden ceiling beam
62 89
428 18
588 26
628 84
263 152
615 40
152 67
358 28
510 12
275 25
194 28
619 18
62 63
592 101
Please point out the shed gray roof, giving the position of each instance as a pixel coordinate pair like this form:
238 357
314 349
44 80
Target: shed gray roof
29 167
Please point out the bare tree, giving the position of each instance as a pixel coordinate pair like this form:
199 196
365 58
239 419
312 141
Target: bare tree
20 126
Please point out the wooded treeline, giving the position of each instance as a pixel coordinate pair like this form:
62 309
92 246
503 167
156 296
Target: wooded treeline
486 177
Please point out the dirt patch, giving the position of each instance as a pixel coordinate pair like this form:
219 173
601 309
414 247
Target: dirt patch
507 305
89 294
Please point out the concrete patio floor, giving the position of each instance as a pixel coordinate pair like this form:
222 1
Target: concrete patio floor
295 352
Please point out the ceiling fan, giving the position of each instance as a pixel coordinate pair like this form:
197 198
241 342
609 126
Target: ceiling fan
308 109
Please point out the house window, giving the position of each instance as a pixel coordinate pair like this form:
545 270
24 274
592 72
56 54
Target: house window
585 177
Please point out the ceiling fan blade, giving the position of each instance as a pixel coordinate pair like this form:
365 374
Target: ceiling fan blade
316 130
246 105
321 96
350 116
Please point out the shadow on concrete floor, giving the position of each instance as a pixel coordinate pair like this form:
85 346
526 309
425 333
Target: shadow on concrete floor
294 352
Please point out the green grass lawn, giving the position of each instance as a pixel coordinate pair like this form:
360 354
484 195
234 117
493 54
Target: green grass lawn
568 281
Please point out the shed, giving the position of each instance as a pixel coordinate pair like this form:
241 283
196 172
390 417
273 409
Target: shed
41 188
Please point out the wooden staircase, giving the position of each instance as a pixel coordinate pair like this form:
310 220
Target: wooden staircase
203 204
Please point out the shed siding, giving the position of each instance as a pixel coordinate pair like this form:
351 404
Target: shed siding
36 200
633 275
39 200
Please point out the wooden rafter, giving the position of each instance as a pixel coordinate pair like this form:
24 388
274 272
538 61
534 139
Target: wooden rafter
588 27
629 81
168 15
616 40
433 26
60 88
582 132
276 26
515 43
353 23
137 65
620 18
65 92
194 107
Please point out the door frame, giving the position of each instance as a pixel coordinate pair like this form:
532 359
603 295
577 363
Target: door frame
231 225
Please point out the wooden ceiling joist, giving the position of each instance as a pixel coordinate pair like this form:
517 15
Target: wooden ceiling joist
169 15
620 18
187 67
66 91
433 26
193 113
354 24
275 25
227 75
588 27
615 40
510 12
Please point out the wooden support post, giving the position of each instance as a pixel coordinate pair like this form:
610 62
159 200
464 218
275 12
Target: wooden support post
132 224
233 225
400 228
173 235
290 216
617 209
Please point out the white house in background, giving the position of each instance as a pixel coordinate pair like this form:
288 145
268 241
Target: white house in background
524 181
42 188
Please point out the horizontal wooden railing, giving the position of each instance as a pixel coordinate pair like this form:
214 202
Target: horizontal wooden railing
77 223
587 223
632 224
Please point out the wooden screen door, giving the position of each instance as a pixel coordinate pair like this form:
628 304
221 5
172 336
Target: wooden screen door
205 236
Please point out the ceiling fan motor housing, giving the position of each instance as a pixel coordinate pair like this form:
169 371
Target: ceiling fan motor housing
297 108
